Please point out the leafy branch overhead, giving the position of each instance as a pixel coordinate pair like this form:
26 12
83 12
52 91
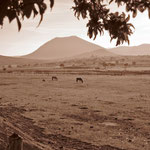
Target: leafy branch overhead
99 16
18 9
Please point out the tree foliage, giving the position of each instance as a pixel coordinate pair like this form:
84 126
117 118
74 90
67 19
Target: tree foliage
100 18
19 9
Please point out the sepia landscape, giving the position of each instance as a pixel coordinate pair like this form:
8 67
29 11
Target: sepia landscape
74 75
41 100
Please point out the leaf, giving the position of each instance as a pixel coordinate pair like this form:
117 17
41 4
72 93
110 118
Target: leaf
118 42
128 18
42 8
149 13
11 15
110 1
134 13
83 14
3 9
35 12
95 34
127 9
141 8
28 10
123 15
51 3
129 24
19 23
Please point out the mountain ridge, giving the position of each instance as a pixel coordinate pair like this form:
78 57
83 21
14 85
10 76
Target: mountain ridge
64 47
142 49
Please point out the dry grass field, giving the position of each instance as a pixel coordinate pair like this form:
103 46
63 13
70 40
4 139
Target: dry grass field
103 113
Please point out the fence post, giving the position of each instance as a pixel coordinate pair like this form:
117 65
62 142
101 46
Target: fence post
15 142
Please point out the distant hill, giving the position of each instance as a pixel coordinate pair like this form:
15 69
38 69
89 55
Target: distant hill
64 48
96 53
143 49
6 60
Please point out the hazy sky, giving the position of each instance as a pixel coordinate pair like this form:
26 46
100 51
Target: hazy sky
60 22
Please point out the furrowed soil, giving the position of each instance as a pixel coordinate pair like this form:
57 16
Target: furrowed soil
103 113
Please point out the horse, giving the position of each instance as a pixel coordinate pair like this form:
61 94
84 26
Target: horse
54 78
79 80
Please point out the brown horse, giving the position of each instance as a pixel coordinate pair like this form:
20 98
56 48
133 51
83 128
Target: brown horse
79 80
54 78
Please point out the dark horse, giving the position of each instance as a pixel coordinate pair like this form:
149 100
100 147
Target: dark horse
54 78
79 80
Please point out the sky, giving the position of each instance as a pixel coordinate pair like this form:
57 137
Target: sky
60 22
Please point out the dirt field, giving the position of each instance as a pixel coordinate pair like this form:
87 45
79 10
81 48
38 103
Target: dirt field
104 113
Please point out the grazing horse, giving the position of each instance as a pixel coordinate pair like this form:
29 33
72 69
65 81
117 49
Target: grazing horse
54 78
79 80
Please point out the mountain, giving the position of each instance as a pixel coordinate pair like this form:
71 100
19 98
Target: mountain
64 48
143 49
